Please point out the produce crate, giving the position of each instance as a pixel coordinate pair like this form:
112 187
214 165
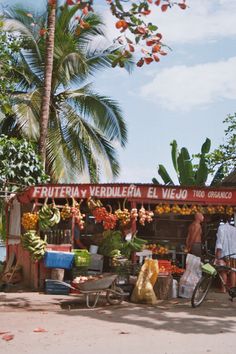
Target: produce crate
164 266
82 257
56 288
55 259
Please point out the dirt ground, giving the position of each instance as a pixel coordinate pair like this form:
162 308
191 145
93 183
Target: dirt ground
170 327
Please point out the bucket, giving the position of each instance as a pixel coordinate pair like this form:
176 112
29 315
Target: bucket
93 249
57 274
174 289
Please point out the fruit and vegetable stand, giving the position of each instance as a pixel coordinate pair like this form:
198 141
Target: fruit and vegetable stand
62 218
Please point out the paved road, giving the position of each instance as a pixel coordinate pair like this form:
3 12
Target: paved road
168 328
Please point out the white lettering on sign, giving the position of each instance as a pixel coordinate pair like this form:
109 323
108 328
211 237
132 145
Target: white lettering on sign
83 193
36 192
174 194
199 193
114 192
219 195
152 192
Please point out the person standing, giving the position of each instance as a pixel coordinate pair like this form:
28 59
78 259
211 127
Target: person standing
194 238
226 246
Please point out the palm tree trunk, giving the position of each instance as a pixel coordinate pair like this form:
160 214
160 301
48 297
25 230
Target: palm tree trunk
48 69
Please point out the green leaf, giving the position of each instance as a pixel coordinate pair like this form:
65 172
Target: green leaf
206 146
174 155
164 175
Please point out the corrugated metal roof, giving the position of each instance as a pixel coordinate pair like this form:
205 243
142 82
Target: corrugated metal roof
230 180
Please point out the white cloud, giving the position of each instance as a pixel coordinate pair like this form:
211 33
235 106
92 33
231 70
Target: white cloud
186 87
203 20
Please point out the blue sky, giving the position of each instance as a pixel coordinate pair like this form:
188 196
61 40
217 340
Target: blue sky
184 97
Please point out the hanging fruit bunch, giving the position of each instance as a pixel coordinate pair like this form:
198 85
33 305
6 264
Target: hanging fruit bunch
210 209
76 213
49 215
109 221
32 242
124 216
93 204
134 214
159 209
176 209
220 209
193 209
100 213
185 210
145 216
29 221
66 212
229 210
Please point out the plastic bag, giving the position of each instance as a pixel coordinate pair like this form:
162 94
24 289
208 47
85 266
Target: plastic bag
143 291
191 276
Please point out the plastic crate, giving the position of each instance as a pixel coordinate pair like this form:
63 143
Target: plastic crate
55 259
82 257
56 288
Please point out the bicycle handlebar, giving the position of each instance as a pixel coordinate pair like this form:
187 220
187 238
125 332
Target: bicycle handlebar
213 255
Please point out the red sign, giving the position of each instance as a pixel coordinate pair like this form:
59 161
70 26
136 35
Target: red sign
139 192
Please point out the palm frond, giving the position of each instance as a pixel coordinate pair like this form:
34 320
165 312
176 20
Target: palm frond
103 111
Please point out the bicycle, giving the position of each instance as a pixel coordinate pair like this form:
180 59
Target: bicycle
209 272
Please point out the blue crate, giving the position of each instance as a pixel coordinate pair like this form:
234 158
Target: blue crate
55 259
56 288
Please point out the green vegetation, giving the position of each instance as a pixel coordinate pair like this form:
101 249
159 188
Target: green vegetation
188 173
83 125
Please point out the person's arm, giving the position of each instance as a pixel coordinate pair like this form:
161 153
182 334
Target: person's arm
218 247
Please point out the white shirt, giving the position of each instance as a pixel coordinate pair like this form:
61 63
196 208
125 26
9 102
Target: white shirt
226 239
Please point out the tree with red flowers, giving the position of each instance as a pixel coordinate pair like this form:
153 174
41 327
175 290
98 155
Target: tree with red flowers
131 17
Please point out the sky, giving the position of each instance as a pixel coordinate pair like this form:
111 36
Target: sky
186 96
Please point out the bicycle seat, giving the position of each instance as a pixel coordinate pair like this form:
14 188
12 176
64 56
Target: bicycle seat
232 292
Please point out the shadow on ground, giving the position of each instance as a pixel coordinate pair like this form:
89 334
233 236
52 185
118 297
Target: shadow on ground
216 315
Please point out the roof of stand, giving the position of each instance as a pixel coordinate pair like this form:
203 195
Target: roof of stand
146 193
230 180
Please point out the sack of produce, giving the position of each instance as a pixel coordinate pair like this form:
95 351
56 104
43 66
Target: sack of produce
143 291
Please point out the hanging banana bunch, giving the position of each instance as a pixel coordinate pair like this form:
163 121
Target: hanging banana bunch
32 242
49 215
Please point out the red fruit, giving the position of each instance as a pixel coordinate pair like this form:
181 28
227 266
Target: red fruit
42 31
155 57
156 48
145 12
70 2
141 30
148 60
85 11
150 42
182 6
131 48
52 2
140 63
164 8
121 24
157 2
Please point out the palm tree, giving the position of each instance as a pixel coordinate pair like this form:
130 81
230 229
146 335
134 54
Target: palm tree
48 69
84 127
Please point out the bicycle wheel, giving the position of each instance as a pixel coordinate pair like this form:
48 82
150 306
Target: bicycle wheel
115 296
201 290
